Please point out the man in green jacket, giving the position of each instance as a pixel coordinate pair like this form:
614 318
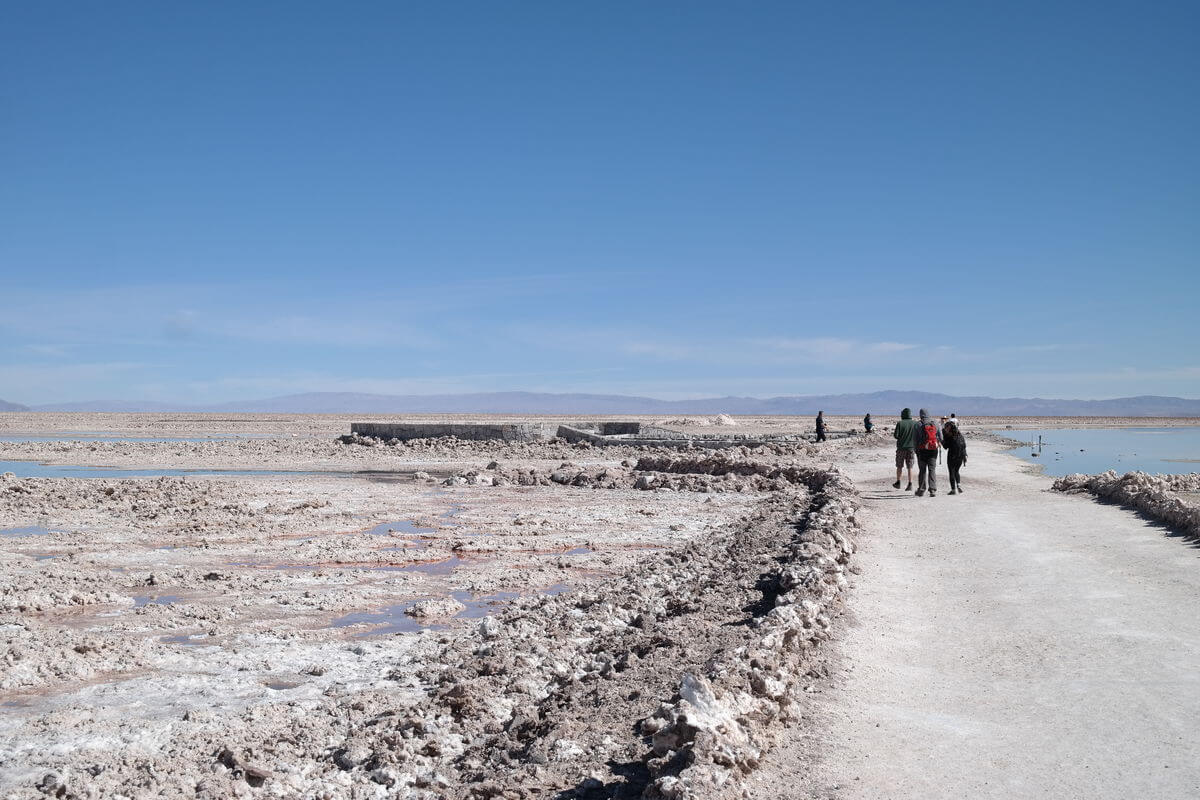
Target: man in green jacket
906 446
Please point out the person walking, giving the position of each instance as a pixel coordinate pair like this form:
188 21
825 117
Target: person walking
928 445
867 423
820 426
956 454
905 434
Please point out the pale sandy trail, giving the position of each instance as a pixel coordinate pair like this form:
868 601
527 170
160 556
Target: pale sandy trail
1008 642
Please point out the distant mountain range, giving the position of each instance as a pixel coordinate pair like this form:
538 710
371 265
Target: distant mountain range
886 402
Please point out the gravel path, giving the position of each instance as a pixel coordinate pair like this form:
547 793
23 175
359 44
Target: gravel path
1009 642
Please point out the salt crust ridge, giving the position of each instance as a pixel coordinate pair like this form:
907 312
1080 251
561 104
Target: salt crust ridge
1154 495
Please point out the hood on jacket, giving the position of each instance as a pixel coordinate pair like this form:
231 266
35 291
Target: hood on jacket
906 414
924 415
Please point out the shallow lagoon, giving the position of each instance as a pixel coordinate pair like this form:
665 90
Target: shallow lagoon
1067 450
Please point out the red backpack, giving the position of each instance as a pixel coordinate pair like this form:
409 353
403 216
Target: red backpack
929 441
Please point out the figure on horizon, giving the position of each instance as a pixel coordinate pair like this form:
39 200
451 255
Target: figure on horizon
820 426
867 423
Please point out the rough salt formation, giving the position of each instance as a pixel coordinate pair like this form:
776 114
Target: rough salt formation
723 722
733 470
1155 495
704 649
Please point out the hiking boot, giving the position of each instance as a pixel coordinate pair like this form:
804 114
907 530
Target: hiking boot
952 491
920 492
896 485
932 493
909 487
960 490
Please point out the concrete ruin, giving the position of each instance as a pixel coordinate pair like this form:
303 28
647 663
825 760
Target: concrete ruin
404 431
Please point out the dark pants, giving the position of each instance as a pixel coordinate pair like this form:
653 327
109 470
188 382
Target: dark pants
927 463
820 434
954 461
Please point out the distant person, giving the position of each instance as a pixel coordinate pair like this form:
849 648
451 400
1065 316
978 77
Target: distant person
905 434
820 426
867 423
929 445
956 453
957 424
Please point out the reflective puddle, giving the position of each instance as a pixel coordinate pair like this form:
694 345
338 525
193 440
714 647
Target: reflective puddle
401 526
186 639
156 600
392 619
27 530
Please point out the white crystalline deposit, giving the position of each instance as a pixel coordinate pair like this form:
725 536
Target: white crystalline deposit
1156 495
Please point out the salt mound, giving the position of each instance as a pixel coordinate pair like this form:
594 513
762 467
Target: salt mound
703 422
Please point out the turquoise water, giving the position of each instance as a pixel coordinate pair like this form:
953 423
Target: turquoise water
1067 450
16 438
32 469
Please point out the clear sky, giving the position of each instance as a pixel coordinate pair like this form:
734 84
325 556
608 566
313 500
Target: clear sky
222 200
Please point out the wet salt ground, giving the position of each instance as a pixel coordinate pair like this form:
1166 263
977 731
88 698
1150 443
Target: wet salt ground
390 619
380 617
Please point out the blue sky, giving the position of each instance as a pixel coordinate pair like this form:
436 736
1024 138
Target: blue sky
214 201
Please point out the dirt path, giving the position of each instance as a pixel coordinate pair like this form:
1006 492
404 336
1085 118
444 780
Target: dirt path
1008 642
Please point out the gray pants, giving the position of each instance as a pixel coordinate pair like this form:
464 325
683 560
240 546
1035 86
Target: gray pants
927 462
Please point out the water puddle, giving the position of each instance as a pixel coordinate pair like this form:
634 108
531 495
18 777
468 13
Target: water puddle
391 619
190 639
156 600
443 567
480 607
401 526
283 686
27 530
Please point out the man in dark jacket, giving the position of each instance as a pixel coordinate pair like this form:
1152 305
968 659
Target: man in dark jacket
905 434
820 426
956 453
929 443
867 423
